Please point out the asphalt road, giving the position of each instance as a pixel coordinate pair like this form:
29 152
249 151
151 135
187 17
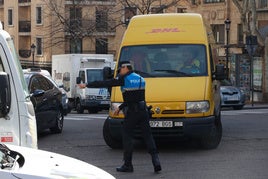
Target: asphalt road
243 152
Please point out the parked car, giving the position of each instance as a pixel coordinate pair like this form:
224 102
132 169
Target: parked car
232 96
27 163
47 100
65 104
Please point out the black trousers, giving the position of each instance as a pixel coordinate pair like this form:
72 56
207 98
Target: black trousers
136 117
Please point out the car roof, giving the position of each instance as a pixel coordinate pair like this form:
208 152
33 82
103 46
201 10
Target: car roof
36 71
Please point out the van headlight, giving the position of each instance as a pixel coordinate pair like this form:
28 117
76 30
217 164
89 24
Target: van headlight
197 107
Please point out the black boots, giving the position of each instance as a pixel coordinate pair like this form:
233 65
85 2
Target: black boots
125 168
156 163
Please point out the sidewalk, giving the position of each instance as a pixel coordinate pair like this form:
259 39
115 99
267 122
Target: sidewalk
256 106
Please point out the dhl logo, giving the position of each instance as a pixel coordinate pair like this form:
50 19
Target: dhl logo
164 30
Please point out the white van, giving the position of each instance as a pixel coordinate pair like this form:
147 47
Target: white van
17 117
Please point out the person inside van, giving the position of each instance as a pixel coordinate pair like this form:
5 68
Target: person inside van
139 61
190 62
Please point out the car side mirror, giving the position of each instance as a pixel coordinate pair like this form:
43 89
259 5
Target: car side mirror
219 73
107 73
38 93
78 80
5 94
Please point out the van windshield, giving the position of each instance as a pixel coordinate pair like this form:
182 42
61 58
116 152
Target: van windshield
94 75
172 60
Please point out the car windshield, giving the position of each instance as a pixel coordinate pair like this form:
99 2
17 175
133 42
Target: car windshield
172 60
226 83
94 75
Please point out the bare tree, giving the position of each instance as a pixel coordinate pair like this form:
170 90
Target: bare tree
69 23
248 14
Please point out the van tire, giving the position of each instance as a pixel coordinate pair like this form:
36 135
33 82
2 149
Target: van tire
79 107
109 140
57 129
213 139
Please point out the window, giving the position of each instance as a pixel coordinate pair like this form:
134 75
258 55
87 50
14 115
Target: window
262 4
75 17
38 15
1 65
181 10
102 46
75 45
157 10
129 13
82 75
240 34
10 16
218 32
39 46
101 20
213 1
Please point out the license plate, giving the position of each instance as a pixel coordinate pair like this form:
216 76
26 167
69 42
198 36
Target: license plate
105 102
161 124
232 98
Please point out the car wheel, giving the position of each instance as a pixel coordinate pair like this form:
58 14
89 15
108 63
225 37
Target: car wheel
238 107
79 107
58 123
213 139
110 141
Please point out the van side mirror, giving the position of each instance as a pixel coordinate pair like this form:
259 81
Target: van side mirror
5 94
78 80
219 74
107 73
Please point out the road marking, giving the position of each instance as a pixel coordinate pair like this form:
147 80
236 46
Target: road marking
83 117
244 112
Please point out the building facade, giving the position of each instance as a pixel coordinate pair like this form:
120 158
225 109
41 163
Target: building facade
97 26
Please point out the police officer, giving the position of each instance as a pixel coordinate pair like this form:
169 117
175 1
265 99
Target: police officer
135 111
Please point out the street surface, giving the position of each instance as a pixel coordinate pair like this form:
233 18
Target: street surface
243 152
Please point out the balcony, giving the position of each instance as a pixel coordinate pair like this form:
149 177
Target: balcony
24 26
92 2
25 53
24 1
92 27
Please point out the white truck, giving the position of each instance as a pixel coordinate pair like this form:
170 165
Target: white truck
67 68
17 117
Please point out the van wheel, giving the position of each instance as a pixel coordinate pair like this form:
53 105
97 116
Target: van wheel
213 139
58 123
109 140
79 107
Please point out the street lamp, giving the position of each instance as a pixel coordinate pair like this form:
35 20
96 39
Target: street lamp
227 23
33 50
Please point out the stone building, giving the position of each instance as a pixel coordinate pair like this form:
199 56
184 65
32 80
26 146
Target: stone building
97 26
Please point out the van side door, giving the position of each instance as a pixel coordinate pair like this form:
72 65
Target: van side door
9 125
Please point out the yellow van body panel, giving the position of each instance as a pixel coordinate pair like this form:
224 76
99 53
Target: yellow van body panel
165 28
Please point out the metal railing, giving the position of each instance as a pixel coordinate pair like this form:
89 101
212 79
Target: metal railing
24 1
24 26
90 26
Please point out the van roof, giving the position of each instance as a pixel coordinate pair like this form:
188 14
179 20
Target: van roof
166 28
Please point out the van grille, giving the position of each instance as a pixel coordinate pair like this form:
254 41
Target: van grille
173 112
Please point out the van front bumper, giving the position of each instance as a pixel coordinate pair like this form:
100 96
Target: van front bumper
191 127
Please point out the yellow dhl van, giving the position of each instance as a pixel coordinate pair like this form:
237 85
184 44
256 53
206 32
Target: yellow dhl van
172 53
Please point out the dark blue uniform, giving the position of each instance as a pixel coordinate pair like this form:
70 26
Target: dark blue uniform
136 114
